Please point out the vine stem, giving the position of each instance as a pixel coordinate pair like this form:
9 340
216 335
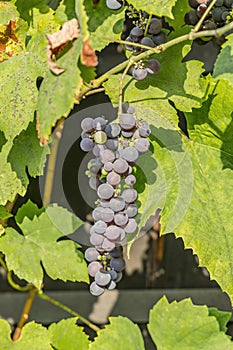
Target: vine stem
192 35
67 309
25 313
121 87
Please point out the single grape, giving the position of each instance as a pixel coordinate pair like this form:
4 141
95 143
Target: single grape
201 10
108 245
113 178
102 278
191 18
85 135
120 166
87 124
225 14
193 3
99 123
87 145
95 289
108 166
116 252
104 214
91 254
127 121
127 134
153 66
131 109
130 180
100 137
129 195
94 166
104 203
131 226
112 144
113 233
209 25
112 130
105 191
94 182
113 274
96 239
130 154
119 277
117 204
107 156
117 264
144 129
100 226
155 26
136 34
228 3
142 145
94 267
121 219
97 149
111 285
131 210
113 4
122 235
129 47
160 38
217 13
147 42
139 73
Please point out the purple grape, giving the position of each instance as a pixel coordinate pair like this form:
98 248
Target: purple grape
147 42
131 226
100 226
107 156
139 73
121 219
108 166
112 285
130 154
105 191
113 4
153 66
127 134
95 289
129 47
87 145
96 239
130 180
99 123
104 214
113 274
102 278
91 254
160 38
136 34
116 252
131 210
190 18
113 233
144 129
85 135
120 166
104 203
129 195
112 130
131 110
113 179
119 277
107 245
112 144
97 149
94 182
94 267
142 145
117 204
117 264
94 166
155 26
127 121
87 124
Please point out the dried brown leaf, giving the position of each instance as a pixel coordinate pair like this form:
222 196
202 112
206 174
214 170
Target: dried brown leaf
88 55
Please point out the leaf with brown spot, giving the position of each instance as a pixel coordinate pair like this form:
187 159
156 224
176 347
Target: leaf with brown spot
88 56
58 40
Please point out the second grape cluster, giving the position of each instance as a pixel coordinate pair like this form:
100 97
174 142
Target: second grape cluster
116 147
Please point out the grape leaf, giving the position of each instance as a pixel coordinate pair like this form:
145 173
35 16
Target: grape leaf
10 185
67 335
34 336
57 93
8 12
179 10
221 316
223 67
24 253
19 98
4 214
155 6
26 154
109 24
26 8
120 333
184 326
29 210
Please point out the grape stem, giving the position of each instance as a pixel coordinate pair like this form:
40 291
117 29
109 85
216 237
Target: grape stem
192 35
201 20
147 24
67 309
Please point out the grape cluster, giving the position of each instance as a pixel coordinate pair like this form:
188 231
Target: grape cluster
217 17
136 35
114 4
116 147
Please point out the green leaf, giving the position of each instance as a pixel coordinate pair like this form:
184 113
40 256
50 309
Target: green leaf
82 18
66 335
8 12
19 98
65 11
4 214
26 8
104 25
38 244
184 326
57 93
22 160
33 336
155 6
28 210
179 10
121 333
221 316
10 185
223 67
